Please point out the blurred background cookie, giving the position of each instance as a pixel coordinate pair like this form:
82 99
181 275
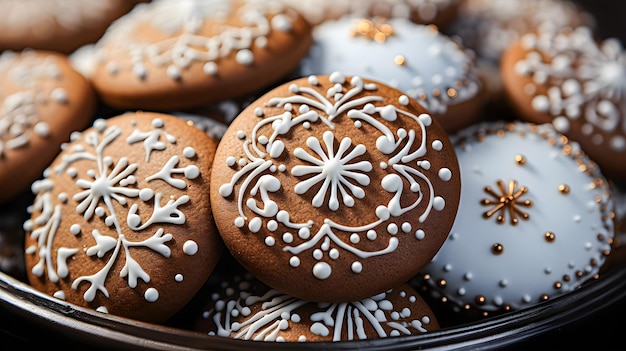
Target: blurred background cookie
42 100
122 222
172 55
428 66
56 25
567 78
243 308
535 220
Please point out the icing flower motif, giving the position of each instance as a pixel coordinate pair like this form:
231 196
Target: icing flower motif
332 169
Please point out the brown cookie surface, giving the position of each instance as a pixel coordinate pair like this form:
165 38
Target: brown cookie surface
56 25
165 55
42 100
246 309
567 78
334 188
122 220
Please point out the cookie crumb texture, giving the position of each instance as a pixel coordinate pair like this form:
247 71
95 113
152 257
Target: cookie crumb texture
121 222
334 188
168 55
247 310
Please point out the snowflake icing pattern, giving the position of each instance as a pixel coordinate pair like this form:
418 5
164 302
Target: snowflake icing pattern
332 169
111 181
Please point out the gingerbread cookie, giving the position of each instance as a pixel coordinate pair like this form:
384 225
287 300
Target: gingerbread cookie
331 181
246 309
535 220
488 27
122 222
417 59
569 79
168 55
42 100
56 25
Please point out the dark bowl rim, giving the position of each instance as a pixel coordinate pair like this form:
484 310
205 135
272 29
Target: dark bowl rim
88 326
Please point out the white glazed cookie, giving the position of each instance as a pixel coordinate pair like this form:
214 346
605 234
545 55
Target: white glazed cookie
567 78
42 100
437 12
428 66
56 25
178 54
121 222
334 188
243 308
535 220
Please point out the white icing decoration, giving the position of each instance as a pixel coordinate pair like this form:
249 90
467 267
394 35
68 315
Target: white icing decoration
192 31
277 312
331 168
98 188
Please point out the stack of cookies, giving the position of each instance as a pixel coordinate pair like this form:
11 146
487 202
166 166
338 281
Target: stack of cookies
313 170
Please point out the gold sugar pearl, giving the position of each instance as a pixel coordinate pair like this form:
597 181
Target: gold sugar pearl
399 60
452 93
520 160
480 300
497 249
549 236
564 189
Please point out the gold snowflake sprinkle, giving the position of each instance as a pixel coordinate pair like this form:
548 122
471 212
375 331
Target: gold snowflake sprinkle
508 199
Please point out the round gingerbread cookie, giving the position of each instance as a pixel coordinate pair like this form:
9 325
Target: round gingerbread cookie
121 222
56 25
569 79
42 100
428 66
334 188
243 308
488 27
171 55
535 220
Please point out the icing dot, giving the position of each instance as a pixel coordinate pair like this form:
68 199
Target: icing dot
146 194
406 227
371 234
355 238
281 22
102 309
561 124
318 254
304 233
239 222
75 229
241 134
419 234
356 267
437 145
42 129
210 68
244 57
334 254
157 123
99 211
313 80
392 228
190 247
261 41
258 112
192 172
540 103
62 197
403 100
294 261
230 161
439 203
151 295
288 238
178 277
173 72
269 241
445 174
272 225
255 224
242 162
358 124
189 152
322 270
59 295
